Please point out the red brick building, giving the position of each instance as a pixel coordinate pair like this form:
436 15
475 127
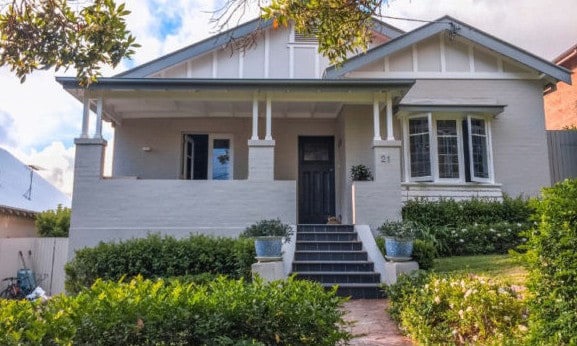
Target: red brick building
561 105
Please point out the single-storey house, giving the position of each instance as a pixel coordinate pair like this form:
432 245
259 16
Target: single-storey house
23 194
209 139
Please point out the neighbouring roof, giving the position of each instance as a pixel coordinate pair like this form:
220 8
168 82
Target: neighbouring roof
568 58
21 195
448 23
221 40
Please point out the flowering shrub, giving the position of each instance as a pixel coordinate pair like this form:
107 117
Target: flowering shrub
479 239
436 309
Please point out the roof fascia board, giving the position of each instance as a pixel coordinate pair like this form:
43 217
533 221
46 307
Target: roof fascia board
71 83
196 49
475 35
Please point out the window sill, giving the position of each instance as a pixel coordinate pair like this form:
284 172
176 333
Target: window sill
450 190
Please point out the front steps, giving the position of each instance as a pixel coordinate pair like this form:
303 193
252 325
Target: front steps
333 255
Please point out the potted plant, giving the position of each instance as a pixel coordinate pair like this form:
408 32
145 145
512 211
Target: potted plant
361 173
399 236
268 236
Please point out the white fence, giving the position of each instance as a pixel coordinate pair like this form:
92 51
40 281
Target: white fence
44 256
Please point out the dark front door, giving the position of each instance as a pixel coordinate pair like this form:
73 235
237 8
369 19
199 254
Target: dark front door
316 179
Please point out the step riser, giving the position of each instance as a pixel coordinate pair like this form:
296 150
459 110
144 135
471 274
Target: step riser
350 236
349 278
331 246
331 256
325 228
333 267
360 293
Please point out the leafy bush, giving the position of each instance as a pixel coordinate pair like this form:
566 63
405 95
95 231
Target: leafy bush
361 173
223 312
53 223
424 253
268 228
156 256
478 239
400 230
552 264
458 214
460 310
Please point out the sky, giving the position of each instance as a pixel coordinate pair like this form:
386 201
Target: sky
39 120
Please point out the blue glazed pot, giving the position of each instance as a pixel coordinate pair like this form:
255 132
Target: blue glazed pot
268 247
402 249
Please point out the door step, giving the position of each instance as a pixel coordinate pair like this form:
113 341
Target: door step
333 256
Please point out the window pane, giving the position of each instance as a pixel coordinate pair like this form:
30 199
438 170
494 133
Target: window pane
479 149
316 152
221 159
420 150
448 150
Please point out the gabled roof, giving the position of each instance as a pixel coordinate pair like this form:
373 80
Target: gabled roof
22 190
450 24
220 40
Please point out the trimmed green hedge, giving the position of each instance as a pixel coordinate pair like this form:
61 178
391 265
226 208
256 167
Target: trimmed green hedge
147 312
552 262
156 256
458 214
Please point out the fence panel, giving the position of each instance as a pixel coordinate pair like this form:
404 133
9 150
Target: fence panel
45 256
562 154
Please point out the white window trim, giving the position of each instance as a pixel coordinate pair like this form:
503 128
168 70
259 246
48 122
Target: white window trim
490 179
433 140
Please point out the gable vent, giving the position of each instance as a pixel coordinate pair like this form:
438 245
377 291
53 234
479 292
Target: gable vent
302 38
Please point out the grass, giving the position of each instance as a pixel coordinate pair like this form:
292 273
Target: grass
501 266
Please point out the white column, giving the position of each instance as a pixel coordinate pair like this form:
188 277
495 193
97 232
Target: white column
376 119
85 117
390 135
268 135
254 117
98 131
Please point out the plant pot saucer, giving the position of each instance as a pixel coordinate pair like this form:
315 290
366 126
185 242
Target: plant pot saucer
398 259
268 259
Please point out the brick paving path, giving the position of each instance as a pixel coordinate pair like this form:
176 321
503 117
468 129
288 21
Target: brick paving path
373 326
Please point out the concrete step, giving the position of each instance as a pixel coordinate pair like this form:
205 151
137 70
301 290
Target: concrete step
340 277
333 266
326 236
329 245
315 255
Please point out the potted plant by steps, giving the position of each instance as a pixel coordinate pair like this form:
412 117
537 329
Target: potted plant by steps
361 173
268 238
399 236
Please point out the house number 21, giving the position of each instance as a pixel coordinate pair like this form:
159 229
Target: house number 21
385 159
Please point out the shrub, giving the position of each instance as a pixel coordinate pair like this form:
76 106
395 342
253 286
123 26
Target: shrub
424 254
552 265
460 310
361 173
222 312
268 228
458 214
53 223
479 239
156 256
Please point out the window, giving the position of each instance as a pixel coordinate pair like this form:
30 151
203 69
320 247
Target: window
207 156
447 147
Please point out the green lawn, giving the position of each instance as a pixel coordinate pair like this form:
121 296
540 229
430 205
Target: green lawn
500 266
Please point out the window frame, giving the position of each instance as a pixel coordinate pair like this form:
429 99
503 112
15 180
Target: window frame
211 138
464 156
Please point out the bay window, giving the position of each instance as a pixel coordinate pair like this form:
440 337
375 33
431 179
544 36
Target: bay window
447 147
